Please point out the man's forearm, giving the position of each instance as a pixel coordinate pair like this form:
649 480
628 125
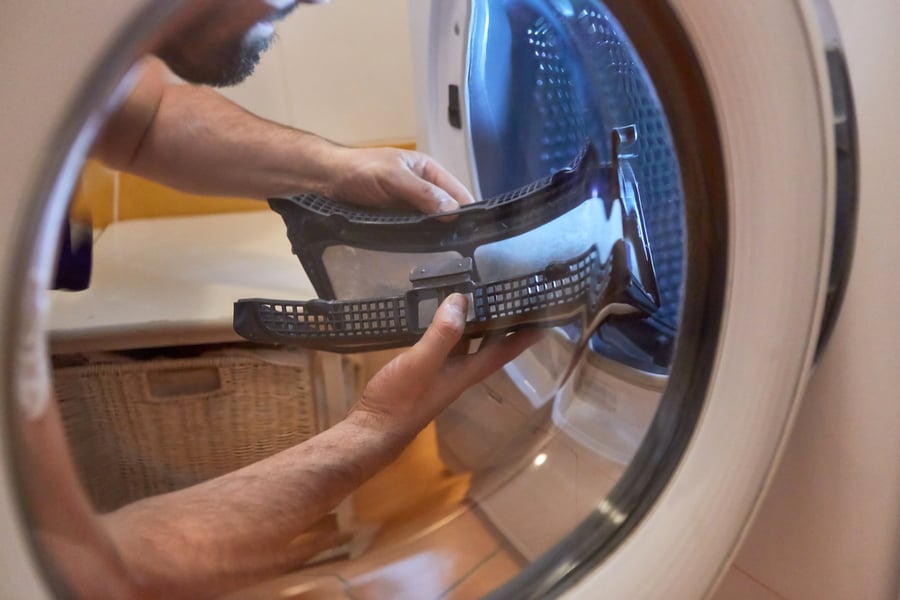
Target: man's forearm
201 142
248 523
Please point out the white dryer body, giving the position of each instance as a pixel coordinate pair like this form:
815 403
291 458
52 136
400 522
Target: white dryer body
758 235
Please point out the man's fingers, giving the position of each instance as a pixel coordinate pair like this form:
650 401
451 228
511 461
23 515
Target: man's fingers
446 329
429 186
421 194
434 173
419 366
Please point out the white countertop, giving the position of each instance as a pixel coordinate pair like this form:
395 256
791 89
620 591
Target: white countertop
173 281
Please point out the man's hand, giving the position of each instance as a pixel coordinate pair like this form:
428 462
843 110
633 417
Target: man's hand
414 387
390 177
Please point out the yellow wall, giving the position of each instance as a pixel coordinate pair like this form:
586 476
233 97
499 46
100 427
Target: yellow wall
137 198
98 201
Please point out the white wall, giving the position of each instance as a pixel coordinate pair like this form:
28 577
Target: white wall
342 70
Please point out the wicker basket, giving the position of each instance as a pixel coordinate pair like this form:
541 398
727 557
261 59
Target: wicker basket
144 427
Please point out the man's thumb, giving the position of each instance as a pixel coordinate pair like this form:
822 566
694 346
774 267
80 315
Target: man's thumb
442 335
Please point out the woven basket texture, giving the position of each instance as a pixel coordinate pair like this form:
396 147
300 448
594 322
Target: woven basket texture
142 428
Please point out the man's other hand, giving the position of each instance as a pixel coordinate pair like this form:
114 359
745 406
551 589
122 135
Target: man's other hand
418 384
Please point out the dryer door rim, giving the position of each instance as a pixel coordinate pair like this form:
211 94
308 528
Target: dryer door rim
765 65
